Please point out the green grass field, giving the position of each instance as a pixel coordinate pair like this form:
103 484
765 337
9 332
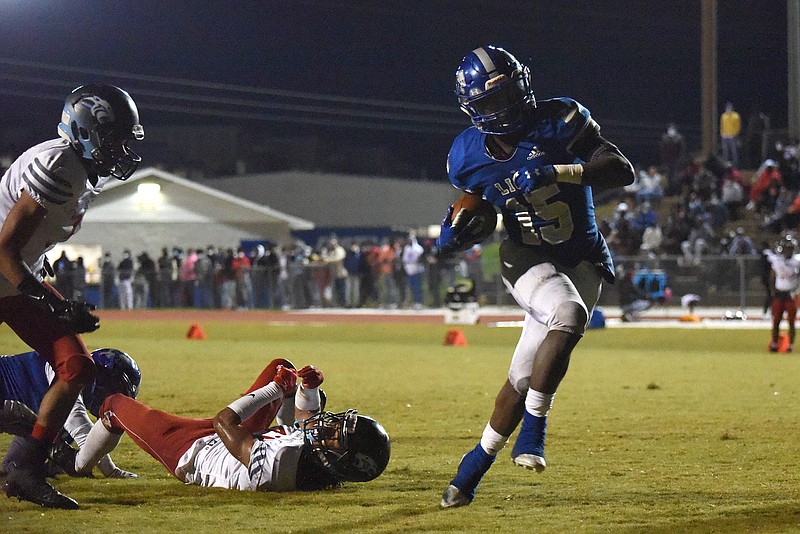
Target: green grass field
653 430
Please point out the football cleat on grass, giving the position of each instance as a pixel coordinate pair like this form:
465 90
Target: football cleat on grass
473 466
62 456
453 498
528 451
28 485
530 461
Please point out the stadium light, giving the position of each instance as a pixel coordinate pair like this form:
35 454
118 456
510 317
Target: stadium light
149 196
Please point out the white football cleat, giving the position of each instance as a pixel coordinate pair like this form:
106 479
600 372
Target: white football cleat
530 461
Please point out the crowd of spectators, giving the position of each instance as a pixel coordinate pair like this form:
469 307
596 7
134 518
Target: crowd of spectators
707 207
398 272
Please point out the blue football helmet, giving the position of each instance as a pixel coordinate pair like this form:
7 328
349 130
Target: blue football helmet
494 89
351 447
99 120
116 373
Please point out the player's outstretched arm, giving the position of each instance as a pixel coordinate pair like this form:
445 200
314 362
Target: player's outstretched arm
307 400
227 423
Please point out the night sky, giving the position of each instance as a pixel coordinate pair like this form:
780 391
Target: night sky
375 73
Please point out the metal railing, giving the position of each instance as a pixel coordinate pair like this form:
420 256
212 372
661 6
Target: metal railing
726 281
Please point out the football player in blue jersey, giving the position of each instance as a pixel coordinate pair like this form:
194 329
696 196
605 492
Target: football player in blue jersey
537 162
24 380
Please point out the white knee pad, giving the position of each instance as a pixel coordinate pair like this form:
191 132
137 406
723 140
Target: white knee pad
570 316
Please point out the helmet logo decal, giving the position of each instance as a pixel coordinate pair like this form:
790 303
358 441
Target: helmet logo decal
364 464
100 109
497 80
536 152
461 82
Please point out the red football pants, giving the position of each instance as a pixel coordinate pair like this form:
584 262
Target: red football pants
166 437
65 351
784 305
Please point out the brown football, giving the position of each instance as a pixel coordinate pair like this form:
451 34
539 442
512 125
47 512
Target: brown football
470 205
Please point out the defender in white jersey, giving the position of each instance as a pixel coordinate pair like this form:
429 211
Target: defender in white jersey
43 197
785 282
237 449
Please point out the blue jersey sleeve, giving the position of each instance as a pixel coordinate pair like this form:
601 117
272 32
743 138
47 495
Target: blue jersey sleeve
23 378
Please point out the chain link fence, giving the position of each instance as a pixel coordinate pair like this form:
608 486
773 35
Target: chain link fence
720 281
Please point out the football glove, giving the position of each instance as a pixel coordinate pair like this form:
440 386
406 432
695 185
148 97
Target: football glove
76 316
311 377
458 234
529 179
542 175
286 379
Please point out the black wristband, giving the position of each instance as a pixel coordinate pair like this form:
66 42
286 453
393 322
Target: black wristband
33 288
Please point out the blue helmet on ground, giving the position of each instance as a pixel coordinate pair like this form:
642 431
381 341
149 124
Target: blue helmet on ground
116 373
494 89
99 121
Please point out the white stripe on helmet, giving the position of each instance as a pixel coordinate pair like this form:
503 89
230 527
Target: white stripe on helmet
485 60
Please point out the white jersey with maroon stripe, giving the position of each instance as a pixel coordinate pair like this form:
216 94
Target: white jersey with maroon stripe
55 176
787 271
273 462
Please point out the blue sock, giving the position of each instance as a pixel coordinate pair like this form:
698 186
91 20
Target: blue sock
471 469
531 436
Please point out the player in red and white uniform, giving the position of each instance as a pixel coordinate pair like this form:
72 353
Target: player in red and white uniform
237 449
43 197
785 279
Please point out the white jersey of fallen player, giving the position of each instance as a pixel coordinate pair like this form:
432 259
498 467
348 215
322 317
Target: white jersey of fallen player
273 462
787 271
54 175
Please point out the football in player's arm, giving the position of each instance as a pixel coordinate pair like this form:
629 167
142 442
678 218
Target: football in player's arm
537 162
238 449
